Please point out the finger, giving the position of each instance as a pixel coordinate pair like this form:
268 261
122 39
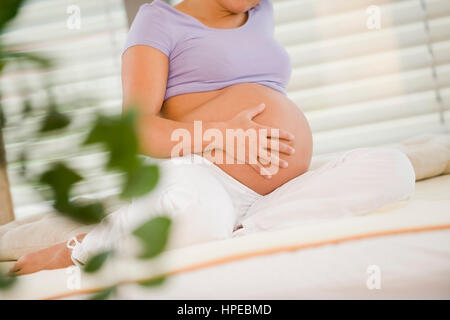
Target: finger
253 112
263 155
280 147
278 133
267 157
270 158
257 164
264 161
259 168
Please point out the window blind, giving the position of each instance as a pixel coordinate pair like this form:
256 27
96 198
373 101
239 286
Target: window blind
357 86
84 80
361 86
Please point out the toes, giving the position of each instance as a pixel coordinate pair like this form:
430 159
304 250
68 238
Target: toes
20 266
15 268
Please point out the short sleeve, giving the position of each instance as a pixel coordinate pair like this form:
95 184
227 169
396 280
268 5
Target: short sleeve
266 6
150 27
269 4
264 10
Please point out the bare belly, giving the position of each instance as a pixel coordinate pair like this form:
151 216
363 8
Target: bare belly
224 104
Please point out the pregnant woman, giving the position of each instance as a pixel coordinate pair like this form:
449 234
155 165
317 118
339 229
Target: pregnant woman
216 63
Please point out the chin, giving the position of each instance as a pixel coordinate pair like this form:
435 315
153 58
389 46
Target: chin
238 6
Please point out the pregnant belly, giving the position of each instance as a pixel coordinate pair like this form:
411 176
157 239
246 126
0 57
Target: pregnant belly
280 112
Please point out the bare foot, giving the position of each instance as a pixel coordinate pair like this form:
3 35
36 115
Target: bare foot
54 257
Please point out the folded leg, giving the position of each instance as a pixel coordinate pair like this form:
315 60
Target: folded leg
354 183
200 208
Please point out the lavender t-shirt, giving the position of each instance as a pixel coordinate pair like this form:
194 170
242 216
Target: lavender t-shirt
203 58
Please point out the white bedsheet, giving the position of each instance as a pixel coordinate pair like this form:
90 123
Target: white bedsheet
409 242
411 266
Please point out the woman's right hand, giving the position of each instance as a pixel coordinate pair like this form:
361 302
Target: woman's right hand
261 151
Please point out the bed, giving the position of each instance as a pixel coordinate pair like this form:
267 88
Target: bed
398 251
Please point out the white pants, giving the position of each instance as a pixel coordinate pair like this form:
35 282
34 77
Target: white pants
206 204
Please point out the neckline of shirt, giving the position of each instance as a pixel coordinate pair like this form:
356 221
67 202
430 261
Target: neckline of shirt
249 16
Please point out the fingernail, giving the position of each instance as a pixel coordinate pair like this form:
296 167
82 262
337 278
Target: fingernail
269 177
292 150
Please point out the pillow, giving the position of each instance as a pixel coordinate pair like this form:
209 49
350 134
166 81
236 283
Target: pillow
428 153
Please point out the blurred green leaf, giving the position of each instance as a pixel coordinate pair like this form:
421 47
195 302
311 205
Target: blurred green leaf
104 294
8 54
2 117
40 60
60 178
26 108
118 136
153 282
140 181
23 157
8 10
6 282
54 120
153 235
84 213
96 262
